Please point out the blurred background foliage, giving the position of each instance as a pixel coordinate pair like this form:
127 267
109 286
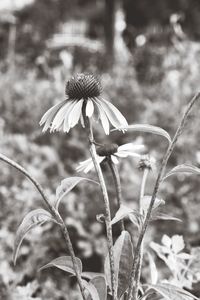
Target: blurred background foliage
147 54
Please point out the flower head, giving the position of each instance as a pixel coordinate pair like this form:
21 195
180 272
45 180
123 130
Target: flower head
82 97
113 152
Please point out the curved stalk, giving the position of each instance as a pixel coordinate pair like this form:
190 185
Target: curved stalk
106 201
54 213
117 183
156 189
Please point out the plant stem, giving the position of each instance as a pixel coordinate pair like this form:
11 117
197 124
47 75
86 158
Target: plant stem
140 259
156 189
117 182
106 202
54 213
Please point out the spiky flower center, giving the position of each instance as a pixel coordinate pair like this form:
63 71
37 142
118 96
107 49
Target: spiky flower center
83 86
107 149
145 163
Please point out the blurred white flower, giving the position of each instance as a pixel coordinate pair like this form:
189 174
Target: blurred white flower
83 93
113 152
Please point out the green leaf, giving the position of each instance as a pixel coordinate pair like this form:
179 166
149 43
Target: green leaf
91 275
124 212
64 263
66 186
171 292
123 259
146 128
99 283
153 269
146 200
93 293
31 220
159 216
187 169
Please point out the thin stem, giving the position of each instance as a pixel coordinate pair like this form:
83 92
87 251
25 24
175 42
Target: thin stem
156 189
140 259
106 202
54 213
117 183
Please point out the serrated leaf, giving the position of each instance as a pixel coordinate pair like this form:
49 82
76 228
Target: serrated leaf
171 292
147 128
66 186
31 220
64 263
123 259
99 283
93 293
160 216
187 169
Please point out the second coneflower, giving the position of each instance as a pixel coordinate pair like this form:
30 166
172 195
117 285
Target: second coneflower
113 152
82 92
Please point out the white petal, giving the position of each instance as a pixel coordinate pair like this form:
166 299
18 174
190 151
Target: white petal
114 159
113 114
66 126
59 118
131 147
75 113
49 115
127 153
89 108
103 118
83 165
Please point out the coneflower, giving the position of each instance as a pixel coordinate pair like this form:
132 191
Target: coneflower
113 152
82 92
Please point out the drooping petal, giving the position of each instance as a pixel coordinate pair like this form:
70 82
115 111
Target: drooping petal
89 108
103 118
127 153
66 126
49 115
131 147
75 114
87 165
114 159
114 115
59 117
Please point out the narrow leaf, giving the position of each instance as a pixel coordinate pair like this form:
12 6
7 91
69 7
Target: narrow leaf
169 291
124 212
187 169
99 283
31 220
123 259
64 263
66 186
145 201
153 269
91 275
147 128
91 289
159 216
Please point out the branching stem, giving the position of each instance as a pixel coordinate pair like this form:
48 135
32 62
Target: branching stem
156 189
54 213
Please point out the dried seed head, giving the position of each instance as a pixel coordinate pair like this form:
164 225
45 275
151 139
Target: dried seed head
83 86
146 163
107 149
